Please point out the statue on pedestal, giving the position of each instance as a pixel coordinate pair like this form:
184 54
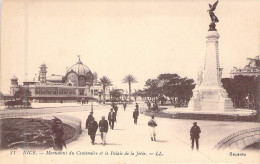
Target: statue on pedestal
213 17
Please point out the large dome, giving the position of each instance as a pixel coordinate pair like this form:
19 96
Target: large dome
79 75
79 68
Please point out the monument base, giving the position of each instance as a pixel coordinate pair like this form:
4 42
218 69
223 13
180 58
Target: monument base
211 100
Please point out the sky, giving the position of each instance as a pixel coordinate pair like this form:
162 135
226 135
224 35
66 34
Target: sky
115 38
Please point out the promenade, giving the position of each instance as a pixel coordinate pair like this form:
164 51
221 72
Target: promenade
173 140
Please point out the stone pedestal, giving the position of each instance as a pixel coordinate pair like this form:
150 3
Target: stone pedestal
209 95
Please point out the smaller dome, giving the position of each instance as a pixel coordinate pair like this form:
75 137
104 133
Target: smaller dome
14 78
43 65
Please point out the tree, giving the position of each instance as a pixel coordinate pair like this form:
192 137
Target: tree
185 91
162 99
169 85
138 93
116 94
242 90
177 89
129 79
22 94
153 90
105 82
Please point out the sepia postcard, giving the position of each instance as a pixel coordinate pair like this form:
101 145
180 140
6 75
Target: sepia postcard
130 81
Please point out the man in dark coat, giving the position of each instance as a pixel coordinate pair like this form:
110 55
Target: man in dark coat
103 128
116 109
83 101
90 118
195 135
113 105
149 105
137 106
111 118
135 115
92 129
124 105
58 133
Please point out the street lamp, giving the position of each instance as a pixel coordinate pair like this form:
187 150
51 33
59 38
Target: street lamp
91 100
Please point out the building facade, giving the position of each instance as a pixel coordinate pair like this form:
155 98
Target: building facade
74 85
251 69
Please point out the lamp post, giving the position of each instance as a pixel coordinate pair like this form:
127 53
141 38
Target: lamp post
91 100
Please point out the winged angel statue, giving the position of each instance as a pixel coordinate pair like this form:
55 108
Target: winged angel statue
213 17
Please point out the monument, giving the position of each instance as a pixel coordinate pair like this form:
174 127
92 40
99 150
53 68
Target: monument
209 95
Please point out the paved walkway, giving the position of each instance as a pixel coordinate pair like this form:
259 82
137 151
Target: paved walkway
51 105
173 140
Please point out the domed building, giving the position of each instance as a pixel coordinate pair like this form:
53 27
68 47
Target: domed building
79 75
75 85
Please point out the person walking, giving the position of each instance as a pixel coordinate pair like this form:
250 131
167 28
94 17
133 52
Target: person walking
124 105
82 101
195 135
111 118
116 109
137 106
103 128
152 124
135 115
89 119
113 105
148 104
58 133
92 129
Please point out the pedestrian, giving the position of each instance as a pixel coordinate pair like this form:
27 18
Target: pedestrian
116 109
152 124
90 117
156 107
92 129
149 105
113 105
124 105
135 115
195 135
103 128
58 133
82 101
137 106
111 118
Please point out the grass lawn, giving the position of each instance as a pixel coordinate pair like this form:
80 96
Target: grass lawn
29 133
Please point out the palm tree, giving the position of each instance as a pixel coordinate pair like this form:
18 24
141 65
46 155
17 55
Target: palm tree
129 79
105 82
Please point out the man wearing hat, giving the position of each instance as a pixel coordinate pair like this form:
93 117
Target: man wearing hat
92 129
195 135
152 124
137 106
89 119
135 115
111 118
58 133
103 128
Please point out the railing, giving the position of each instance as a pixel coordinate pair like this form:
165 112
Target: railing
240 139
